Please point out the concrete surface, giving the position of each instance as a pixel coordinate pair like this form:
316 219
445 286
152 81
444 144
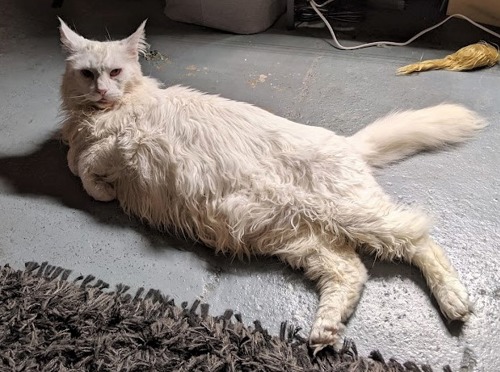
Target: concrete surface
47 216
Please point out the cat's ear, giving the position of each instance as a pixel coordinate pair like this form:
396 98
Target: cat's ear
70 40
136 43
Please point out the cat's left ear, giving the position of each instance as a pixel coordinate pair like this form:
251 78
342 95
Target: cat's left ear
71 41
136 43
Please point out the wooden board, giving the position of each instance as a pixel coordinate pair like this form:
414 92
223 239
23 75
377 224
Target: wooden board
482 11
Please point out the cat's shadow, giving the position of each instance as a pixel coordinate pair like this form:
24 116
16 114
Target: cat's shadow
44 172
378 269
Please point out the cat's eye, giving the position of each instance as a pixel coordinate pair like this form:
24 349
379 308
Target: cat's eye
115 72
87 73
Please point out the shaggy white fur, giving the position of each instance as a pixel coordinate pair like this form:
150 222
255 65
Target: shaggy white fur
246 182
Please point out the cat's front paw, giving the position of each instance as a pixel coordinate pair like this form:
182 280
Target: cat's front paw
326 332
101 191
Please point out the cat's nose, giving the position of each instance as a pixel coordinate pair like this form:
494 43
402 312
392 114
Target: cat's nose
101 91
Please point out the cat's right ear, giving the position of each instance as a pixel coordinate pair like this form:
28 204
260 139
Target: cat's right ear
70 40
136 43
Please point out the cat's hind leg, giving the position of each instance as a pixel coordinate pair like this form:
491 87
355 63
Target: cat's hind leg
396 232
442 279
339 275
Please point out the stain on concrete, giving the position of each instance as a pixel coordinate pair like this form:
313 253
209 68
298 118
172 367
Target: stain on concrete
255 80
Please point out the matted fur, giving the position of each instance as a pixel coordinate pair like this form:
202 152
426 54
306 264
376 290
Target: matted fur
246 182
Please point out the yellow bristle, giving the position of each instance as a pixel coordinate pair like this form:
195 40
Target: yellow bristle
467 58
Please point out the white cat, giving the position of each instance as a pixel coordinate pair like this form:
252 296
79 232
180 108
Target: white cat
247 182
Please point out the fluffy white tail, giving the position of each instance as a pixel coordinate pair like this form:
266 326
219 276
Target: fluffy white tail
401 134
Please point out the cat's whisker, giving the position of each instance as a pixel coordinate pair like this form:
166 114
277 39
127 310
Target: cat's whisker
79 96
108 38
83 98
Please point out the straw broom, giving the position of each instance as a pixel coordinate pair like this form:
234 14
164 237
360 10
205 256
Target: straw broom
467 58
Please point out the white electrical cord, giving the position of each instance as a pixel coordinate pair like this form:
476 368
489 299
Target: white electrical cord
325 3
336 43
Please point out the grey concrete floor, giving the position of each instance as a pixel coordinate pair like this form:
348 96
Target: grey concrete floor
46 216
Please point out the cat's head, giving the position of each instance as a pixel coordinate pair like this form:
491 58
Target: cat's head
99 73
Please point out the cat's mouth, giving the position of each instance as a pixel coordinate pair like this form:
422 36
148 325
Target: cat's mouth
104 103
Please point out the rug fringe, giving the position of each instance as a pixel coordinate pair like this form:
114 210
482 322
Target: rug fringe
155 302
47 271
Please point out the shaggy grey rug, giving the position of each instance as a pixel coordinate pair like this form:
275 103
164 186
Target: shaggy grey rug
48 323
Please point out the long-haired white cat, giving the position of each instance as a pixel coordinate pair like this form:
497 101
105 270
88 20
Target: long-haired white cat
247 182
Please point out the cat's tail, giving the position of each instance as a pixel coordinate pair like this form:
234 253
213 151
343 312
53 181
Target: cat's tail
401 134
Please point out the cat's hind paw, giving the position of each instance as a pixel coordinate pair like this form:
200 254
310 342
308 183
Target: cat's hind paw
454 301
326 332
